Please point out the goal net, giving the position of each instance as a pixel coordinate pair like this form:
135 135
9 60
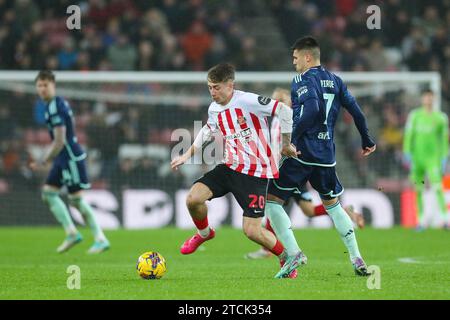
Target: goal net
131 124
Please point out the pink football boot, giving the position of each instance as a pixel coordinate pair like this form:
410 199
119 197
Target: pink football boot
191 244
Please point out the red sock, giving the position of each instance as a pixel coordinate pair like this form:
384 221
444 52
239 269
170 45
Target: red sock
278 248
319 210
201 224
269 227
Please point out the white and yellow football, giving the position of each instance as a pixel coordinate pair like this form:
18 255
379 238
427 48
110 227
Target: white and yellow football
151 265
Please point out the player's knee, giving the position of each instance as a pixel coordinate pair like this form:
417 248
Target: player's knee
329 202
47 196
193 201
75 201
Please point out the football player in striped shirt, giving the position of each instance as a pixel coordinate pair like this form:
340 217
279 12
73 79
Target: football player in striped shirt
248 161
68 169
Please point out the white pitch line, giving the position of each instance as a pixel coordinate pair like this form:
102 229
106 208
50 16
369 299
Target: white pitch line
416 261
409 260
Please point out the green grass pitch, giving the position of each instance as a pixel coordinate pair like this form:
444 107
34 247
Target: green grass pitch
31 269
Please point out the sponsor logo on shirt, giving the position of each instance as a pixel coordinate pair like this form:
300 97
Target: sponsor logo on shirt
244 134
323 135
302 90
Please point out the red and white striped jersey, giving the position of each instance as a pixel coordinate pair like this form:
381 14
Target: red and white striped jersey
244 126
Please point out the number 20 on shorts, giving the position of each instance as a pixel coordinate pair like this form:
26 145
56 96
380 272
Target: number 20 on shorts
257 202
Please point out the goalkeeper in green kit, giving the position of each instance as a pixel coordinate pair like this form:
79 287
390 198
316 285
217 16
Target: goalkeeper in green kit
425 147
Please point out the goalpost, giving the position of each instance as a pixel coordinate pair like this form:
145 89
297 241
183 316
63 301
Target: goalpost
9 80
125 120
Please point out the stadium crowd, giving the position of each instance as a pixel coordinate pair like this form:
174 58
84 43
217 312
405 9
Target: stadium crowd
175 35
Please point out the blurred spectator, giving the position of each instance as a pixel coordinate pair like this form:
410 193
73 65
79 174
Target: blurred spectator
105 136
145 174
147 57
376 56
217 54
28 13
67 57
171 9
247 58
391 135
83 61
131 126
7 124
122 55
418 60
350 56
123 177
196 44
398 27
439 41
431 20
409 41
345 7
171 58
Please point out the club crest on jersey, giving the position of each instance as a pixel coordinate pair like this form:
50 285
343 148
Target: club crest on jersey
241 120
263 100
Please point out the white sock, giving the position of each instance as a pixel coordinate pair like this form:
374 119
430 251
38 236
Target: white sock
344 226
70 230
100 236
204 232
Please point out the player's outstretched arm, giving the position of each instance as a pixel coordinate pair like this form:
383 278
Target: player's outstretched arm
203 137
368 145
349 102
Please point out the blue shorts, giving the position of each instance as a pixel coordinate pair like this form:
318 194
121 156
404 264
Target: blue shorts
294 175
71 174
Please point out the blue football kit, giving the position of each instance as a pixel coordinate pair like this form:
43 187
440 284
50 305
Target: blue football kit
69 167
317 96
